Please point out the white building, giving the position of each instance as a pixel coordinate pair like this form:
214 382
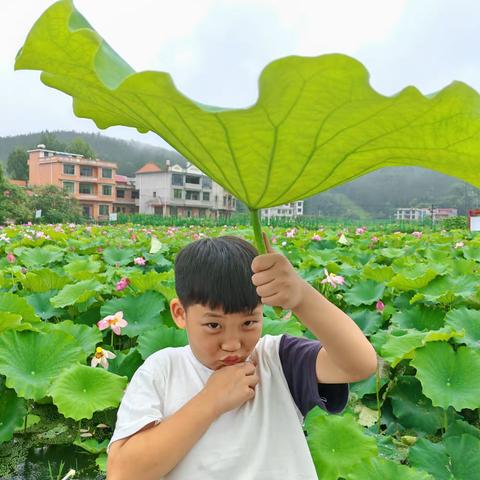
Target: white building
182 192
289 210
411 213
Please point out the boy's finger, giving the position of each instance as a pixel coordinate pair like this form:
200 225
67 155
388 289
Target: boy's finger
267 243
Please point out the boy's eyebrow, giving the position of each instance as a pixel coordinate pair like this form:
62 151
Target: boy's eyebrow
219 315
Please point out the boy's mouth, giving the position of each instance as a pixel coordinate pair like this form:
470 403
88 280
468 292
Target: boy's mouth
231 360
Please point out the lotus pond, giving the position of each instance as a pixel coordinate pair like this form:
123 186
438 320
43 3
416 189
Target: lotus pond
81 308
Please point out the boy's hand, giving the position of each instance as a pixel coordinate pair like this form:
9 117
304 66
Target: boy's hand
276 280
231 386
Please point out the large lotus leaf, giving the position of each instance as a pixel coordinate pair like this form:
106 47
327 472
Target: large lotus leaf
391 252
419 318
454 458
86 337
125 365
152 280
317 122
30 361
471 252
336 443
401 344
378 468
82 269
11 321
160 337
447 289
120 256
412 408
12 412
368 321
279 327
38 256
379 273
79 391
449 377
91 445
41 303
466 319
44 280
413 278
364 292
76 293
11 303
367 386
458 427
142 313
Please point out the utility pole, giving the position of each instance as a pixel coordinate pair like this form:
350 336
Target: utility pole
432 216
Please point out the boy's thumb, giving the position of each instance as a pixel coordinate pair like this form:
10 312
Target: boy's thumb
266 241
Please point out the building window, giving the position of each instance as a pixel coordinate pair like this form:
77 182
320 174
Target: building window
177 193
69 187
68 169
103 210
173 211
192 195
206 182
154 194
224 200
106 189
106 172
177 179
86 188
192 179
135 194
86 171
206 196
120 193
189 212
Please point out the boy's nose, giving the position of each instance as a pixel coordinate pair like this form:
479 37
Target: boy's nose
231 346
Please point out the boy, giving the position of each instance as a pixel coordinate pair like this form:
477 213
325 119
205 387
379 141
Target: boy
230 405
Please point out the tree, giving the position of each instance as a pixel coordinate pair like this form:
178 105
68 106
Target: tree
14 202
80 146
51 142
17 164
56 205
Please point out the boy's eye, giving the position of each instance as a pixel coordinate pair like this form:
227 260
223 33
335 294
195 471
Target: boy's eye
212 323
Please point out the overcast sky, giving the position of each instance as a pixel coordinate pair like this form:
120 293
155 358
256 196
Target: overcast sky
215 49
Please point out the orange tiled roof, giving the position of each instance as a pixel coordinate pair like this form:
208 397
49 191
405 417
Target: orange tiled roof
149 167
121 179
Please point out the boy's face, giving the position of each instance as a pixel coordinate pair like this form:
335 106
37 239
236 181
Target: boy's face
214 336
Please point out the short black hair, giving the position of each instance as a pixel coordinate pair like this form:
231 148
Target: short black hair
216 272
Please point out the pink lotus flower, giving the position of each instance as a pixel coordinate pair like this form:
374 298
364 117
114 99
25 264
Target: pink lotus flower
379 306
274 239
417 234
10 258
115 322
101 357
122 284
139 261
459 245
360 230
374 239
316 238
291 233
332 279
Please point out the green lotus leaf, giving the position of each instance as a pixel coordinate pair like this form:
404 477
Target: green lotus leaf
317 122
79 391
402 344
471 252
41 303
412 408
91 445
379 468
447 289
82 269
364 292
454 458
458 427
44 280
11 303
152 280
391 252
160 337
419 318
125 365
30 361
86 337
11 321
278 327
413 278
366 386
379 273
39 256
336 443
368 321
120 256
469 320
76 293
142 313
12 412
449 377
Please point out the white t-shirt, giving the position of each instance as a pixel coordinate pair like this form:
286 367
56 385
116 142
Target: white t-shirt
263 439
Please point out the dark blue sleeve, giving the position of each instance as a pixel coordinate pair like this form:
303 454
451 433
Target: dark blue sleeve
298 356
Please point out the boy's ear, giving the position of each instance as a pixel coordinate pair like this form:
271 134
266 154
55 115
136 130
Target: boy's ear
178 313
